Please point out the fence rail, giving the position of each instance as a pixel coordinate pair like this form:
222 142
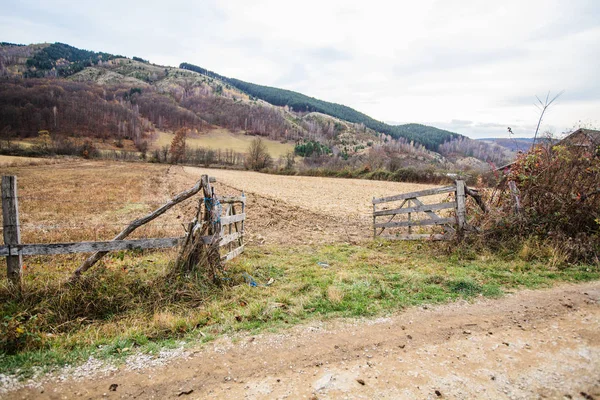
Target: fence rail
14 250
87 247
411 206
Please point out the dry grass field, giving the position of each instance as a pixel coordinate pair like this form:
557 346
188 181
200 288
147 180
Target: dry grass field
223 139
11 161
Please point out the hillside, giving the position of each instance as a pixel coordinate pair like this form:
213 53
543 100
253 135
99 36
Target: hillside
71 92
428 136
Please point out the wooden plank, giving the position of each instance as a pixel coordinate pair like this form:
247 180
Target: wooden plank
461 207
230 211
422 222
232 218
231 199
10 224
427 192
374 218
89 247
225 240
237 228
242 227
391 218
515 193
419 208
433 215
409 217
418 236
233 254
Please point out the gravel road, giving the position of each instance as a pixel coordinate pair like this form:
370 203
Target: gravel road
530 344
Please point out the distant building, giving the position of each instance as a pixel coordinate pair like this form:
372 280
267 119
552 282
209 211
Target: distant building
583 138
580 138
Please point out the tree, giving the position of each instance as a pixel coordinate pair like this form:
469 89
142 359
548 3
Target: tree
178 146
543 106
258 156
290 160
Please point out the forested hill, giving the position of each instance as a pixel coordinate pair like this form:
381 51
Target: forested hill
49 58
428 136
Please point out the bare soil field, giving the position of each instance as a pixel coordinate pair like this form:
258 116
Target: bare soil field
303 209
532 344
332 196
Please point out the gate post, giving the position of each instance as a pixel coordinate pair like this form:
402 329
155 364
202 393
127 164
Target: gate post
461 208
12 233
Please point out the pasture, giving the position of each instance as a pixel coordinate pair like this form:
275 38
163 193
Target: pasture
222 139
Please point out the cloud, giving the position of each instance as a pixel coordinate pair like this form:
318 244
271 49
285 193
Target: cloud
473 66
329 54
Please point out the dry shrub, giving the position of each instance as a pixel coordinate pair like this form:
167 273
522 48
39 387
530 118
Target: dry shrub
559 191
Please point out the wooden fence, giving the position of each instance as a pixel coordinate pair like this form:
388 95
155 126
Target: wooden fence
411 208
231 234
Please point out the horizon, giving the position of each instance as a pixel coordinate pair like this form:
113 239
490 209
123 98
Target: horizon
440 74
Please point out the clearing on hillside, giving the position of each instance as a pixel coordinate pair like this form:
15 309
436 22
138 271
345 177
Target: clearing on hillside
223 139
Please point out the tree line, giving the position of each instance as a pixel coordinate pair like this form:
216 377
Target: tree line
64 59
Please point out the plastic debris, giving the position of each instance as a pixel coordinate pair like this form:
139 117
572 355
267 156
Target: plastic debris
250 280
322 264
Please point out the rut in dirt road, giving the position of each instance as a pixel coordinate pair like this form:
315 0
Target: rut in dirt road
532 344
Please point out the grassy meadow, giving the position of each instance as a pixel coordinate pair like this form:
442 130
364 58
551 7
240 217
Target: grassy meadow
223 139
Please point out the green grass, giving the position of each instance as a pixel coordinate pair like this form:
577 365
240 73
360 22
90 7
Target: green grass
117 311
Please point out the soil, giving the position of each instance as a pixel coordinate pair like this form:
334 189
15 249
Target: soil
301 210
530 344
332 196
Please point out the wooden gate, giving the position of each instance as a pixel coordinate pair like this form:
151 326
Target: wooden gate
405 212
232 242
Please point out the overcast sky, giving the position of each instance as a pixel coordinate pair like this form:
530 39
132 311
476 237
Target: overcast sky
470 66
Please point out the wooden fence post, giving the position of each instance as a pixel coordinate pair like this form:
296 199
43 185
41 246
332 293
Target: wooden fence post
461 207
12 233
374 219
409 204
243 212
515 193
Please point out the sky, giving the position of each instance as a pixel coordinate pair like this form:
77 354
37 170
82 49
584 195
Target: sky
470 66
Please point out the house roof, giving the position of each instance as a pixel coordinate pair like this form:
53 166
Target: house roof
592 135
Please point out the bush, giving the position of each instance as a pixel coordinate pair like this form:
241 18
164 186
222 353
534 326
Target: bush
559 190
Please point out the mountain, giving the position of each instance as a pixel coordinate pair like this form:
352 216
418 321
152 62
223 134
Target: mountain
517 144
71 92
428 136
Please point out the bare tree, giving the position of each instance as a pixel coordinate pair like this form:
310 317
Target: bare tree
543 106
178 146
258 156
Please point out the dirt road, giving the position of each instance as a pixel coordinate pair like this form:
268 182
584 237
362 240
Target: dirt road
531 344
